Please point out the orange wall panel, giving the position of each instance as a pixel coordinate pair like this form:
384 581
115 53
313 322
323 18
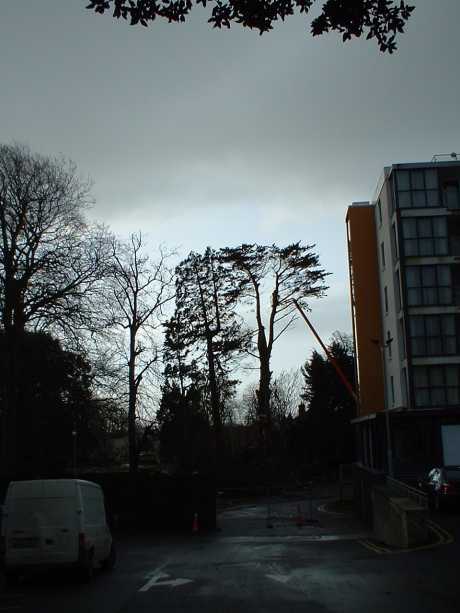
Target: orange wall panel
366 309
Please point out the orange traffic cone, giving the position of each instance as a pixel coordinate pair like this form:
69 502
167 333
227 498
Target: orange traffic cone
195 523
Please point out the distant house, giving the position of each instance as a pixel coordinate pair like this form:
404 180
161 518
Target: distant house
120 451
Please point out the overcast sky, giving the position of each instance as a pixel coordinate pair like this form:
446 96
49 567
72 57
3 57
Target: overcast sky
205 137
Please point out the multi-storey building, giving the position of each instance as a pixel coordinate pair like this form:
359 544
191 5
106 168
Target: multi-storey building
404 255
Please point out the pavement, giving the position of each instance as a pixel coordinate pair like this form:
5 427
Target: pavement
300 514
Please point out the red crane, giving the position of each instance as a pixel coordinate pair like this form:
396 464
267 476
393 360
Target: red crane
330 357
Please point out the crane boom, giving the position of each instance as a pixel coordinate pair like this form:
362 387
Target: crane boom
330 357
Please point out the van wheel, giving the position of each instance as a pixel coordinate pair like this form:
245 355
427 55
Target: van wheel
109 563
87 570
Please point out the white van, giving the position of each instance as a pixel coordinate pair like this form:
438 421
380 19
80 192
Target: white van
55 523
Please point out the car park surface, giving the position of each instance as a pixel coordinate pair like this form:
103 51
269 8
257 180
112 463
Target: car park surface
246 566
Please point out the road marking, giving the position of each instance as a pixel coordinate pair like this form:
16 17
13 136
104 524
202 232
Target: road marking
443 537
174 582
447 537
313 538
373 546
279 578
155 581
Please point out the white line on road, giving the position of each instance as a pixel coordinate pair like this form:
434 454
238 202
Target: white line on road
152 581
313 538
155 581
174 582
280 578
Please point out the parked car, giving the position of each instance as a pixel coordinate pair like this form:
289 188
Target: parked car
442 484
55 523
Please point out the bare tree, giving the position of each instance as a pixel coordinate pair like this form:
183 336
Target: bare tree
51 260
286 394
246 411
141 289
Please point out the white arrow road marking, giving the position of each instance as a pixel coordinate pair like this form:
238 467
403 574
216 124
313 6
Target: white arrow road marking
280 578
174 582
155 581
152 581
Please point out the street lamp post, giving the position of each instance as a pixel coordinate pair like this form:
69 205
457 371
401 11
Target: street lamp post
389 446
74 451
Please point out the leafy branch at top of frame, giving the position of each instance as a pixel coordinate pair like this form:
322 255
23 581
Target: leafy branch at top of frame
381 20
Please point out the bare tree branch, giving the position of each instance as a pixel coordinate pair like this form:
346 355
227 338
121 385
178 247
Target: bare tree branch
141 288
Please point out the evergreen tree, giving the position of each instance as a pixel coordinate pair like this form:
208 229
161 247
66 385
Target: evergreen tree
183 420
208 327
286 273
326 426
55 400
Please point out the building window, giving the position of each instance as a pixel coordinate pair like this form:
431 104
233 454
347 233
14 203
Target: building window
403 339
432 335
425 236
451 196
392 383
404 386
397 291
429 285
394 241
382 251
379 208
388 344
392 198
385 292
436 386
417 188
453 227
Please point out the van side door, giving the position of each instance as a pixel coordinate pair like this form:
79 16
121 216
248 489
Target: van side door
97 533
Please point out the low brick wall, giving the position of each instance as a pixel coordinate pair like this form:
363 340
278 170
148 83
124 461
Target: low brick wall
398 521
364 480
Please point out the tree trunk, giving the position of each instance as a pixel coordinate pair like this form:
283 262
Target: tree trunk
215 400
263 399
13 323
264 389
263 396
13 402
132 394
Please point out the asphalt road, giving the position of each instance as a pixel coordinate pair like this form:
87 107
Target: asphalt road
247 567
